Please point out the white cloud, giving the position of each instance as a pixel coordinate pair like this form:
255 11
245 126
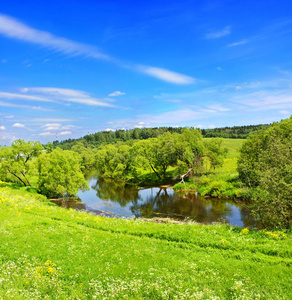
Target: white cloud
46 134
68 127
68 95
52 126
2 128
141 123
109 129
51 120
9 117
12 28
23 97
17 30
167 75
218 34
116 93
29 107
18 125
266 100
284 112
65 133
237 43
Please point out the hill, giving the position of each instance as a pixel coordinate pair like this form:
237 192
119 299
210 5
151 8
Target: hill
48 252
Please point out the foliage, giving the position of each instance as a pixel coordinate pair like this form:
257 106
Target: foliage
265 166
60 173
15 163
51 253
110 137
180 151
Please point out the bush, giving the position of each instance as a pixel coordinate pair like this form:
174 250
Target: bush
265 165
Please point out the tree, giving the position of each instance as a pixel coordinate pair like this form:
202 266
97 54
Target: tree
60 173
15 163
265 165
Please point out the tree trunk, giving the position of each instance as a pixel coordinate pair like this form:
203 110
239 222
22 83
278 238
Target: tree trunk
17 177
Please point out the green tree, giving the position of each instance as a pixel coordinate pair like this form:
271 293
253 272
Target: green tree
60 173
49 148
265 165
16 160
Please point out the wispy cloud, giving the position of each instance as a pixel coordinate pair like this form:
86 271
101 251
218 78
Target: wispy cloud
2 128
17 30
22 106
238 43
5 95
67 95
116 93
14 29
167 75
46 133
218 34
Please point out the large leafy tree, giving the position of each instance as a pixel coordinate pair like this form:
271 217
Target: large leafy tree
265 165
16 160
60 173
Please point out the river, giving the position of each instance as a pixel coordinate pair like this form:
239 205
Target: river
118 199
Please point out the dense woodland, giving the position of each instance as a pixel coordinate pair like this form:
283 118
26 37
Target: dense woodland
108 137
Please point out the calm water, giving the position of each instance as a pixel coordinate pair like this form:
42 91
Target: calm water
118 199
121 200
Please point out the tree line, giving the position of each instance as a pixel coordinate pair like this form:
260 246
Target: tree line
109 137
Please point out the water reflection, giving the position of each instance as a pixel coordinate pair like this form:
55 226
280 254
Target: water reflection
120 199
73 202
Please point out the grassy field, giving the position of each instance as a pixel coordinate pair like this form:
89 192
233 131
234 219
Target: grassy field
47 252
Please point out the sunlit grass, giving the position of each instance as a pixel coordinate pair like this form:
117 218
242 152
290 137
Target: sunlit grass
51 253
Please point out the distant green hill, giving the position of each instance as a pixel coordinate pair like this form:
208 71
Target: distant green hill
108 137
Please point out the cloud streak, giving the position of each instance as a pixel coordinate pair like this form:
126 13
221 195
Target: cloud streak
167 75
14 29
116 93
218 34
55 94
237 43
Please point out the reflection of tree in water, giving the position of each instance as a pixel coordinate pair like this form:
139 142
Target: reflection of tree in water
73 202
115 191
180 207
165 203
246 216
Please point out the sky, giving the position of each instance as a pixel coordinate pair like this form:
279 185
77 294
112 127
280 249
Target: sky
71 68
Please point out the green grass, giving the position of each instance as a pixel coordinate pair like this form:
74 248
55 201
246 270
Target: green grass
47 252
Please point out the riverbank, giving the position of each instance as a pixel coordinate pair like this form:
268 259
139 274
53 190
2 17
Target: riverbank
52 253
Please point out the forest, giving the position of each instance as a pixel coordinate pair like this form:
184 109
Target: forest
108 137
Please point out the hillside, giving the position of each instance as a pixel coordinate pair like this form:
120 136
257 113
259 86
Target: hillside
51 253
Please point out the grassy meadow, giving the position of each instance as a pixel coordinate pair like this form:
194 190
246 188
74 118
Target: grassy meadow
47 252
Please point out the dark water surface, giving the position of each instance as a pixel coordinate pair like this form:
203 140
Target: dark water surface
118 199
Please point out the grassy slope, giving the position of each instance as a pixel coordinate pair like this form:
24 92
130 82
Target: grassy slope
51 253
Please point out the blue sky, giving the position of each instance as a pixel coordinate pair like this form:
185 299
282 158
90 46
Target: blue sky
78 67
